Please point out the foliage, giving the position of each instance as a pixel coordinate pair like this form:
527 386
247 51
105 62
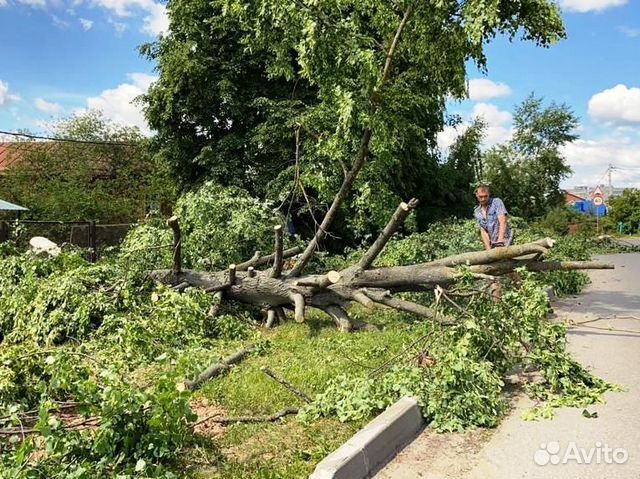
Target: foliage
557 220
222 225
113 180
219 225
119 347
526 172
461 385
626 209
277 97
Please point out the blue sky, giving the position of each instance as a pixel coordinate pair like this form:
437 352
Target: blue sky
58 57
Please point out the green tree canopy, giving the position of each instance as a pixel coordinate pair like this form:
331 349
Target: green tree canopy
526 172
286 98
104 173
626 209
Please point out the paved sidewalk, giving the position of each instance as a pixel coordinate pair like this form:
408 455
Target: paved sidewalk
521 449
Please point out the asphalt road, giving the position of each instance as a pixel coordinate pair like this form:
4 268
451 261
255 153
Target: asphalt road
569 446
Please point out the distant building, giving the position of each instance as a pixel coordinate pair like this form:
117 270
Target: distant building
8 155
582 200
587 191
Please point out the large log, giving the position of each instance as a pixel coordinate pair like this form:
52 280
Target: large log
335 291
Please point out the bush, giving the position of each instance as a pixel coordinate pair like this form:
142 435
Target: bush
219 225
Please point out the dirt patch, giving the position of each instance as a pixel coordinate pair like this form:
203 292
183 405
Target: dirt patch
205 409
438 456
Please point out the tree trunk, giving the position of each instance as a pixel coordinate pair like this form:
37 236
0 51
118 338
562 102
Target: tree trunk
335 291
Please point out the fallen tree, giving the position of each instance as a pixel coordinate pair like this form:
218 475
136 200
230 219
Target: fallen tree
276 290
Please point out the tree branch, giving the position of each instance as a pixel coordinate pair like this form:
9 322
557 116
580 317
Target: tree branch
361 156
258 260
277 256
218 368
177 244
286 384
401 213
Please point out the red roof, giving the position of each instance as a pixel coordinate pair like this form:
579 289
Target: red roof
570 198
8 154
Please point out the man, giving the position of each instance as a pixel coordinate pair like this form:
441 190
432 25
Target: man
491 216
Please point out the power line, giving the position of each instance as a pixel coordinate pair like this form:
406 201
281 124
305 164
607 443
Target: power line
66 140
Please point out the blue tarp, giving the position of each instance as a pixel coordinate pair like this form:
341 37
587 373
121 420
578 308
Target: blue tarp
587 207
6 206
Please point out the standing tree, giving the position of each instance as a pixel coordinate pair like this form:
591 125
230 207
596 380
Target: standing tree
526 172
96 170
382 73
291 99
626 209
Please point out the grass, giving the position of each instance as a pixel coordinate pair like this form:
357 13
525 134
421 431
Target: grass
307 355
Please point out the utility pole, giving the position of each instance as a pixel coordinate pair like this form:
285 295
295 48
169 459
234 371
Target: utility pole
610 184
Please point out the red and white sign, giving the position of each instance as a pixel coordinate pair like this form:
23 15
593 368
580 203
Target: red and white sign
598 200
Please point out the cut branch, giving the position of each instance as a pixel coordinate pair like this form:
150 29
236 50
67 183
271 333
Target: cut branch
277 256
386 299
332 277
250 419
286 384
177 244
258 260
232 274
496 254
396 220
215 304
218 368
271 317
298 301
340 316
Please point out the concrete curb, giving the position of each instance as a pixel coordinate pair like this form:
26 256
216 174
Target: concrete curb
374 444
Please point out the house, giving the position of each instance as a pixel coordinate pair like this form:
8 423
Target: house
590 204
9 154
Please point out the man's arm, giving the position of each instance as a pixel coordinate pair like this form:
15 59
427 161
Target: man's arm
502 227
485 239
501 212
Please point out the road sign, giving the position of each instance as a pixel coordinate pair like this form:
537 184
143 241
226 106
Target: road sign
598 201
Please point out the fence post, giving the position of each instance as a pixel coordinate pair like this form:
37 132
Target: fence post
4 231
92 241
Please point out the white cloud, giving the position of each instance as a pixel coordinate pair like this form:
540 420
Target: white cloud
158 22
117 105
499 127
5 96
59 23
582 6
48 107
492 114
590 158
3 3
155 22
618 105
86 24
483 89
4 93
498 122
119 27
34 3
629 31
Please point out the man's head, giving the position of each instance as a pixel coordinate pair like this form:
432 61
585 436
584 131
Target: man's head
483 193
